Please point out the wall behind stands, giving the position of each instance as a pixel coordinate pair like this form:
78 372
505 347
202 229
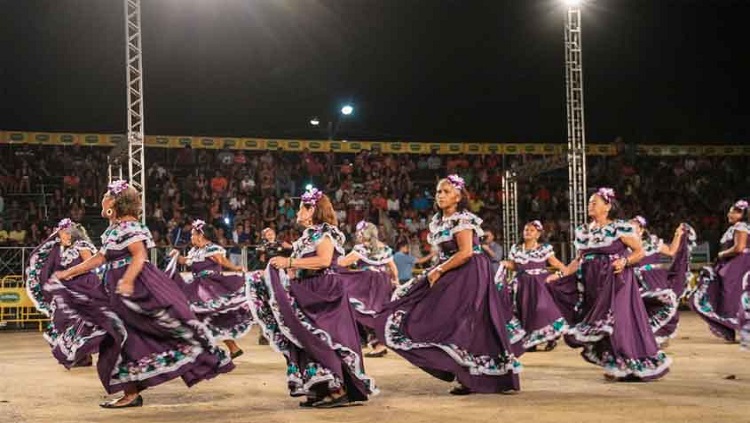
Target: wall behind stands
263 144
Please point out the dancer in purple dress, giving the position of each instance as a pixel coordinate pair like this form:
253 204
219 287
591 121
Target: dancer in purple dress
719 294
153 336
301 306
369 287
533 305
610 320
218 300
452 322
662 284
72 336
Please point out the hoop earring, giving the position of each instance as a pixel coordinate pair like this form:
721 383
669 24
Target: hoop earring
108 212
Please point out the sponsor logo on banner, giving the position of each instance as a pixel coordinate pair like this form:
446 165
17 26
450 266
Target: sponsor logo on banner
315 145
473 148
9 297
17 137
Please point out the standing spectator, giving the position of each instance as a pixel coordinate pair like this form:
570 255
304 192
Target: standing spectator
405 262
219 183
434 162
492 250
394 206
247 185
239 239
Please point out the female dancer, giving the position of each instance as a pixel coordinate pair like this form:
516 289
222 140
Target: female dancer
452 321
611 323
370 288
534 306
218 300
154 335
662 285
72 336
304 312
717 298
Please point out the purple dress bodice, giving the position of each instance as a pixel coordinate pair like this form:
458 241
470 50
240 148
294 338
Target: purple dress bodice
71 256
373 260
307 244
443 232
533 261
727 240
599 241
199 259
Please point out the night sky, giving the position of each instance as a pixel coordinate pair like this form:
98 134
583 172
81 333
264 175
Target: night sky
673 71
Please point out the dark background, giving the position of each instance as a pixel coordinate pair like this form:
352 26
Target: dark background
673 71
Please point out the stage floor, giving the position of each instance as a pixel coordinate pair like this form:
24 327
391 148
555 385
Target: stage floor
557 387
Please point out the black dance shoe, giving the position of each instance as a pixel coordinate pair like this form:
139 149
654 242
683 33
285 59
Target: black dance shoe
460 390
137 402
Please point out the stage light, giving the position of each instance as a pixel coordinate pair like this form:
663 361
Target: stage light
347 110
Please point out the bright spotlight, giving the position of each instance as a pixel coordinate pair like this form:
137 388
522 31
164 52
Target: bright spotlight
314 122
347 110
308 187
574 3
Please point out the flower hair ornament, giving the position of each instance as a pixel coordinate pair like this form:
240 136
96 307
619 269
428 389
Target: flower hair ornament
741 205
198 225
607 194
117 187
65 224
537 224
311 196
361 225
457 181
641 221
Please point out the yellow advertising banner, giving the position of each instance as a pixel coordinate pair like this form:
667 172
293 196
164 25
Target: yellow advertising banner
394 147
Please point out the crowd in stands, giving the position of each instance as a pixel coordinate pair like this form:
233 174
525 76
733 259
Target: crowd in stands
242 192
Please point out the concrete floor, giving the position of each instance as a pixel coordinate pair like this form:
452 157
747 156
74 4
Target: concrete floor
557 387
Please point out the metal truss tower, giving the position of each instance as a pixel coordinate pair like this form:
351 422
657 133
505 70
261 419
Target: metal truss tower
134 74
575 116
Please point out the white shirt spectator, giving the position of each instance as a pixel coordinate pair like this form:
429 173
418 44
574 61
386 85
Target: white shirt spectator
394 205
235 203
433 163
341 215
357 204
411 225
247 184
